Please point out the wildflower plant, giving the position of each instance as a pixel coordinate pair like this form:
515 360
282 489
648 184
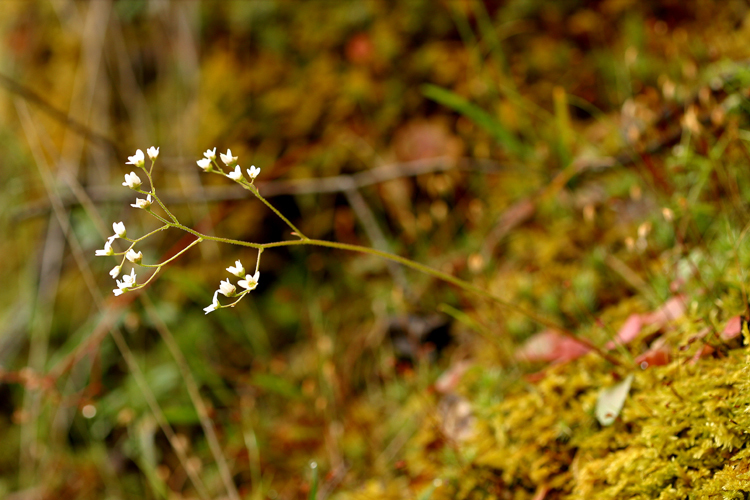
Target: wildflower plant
208 163
248 281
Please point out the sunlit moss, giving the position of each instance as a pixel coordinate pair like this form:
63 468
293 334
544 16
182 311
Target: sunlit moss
682 434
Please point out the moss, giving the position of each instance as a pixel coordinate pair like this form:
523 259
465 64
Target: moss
682 434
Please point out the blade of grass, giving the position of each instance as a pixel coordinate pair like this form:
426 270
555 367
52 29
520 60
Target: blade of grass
476 114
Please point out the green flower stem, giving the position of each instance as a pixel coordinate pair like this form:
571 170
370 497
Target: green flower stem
166 225
239 296
454 281
254 190
162 205
153 193
220 239
181 252
156 216
459 283
162 264
257 262
421 268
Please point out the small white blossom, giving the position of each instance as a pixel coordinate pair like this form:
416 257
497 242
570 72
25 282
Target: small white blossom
237 270
132 181
140 203
137 159
107 248
128 282
152 152
226 288
129 279
115 272
210 154
253 172
214 304
236 174
204 163
134 257
228 159
250 282
119 228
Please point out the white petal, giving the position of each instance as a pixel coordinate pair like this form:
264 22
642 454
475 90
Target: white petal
119 229
226 288
134 256
228 159
136 159
236 174
253 172
214 304
238 269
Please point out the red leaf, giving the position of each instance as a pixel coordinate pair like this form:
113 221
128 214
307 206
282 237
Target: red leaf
550 345
656 356
669 311
733 328
628 331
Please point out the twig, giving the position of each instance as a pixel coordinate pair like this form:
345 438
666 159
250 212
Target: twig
335 184
375 235
73 124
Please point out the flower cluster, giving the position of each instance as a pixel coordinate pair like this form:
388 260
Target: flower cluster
208 163
134 182
227 289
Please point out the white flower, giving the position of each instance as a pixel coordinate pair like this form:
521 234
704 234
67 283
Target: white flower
210 154
107 248
226 288
137 159
140 203
152 152
237 270
134 257
119 228
236 174
250 282
128 282
115 272
253 172
204 163
132 181
228 159
214 304
129 279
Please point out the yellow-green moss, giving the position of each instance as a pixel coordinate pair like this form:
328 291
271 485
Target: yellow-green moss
683 433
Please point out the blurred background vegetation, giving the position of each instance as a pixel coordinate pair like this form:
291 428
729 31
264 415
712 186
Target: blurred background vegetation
519 145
